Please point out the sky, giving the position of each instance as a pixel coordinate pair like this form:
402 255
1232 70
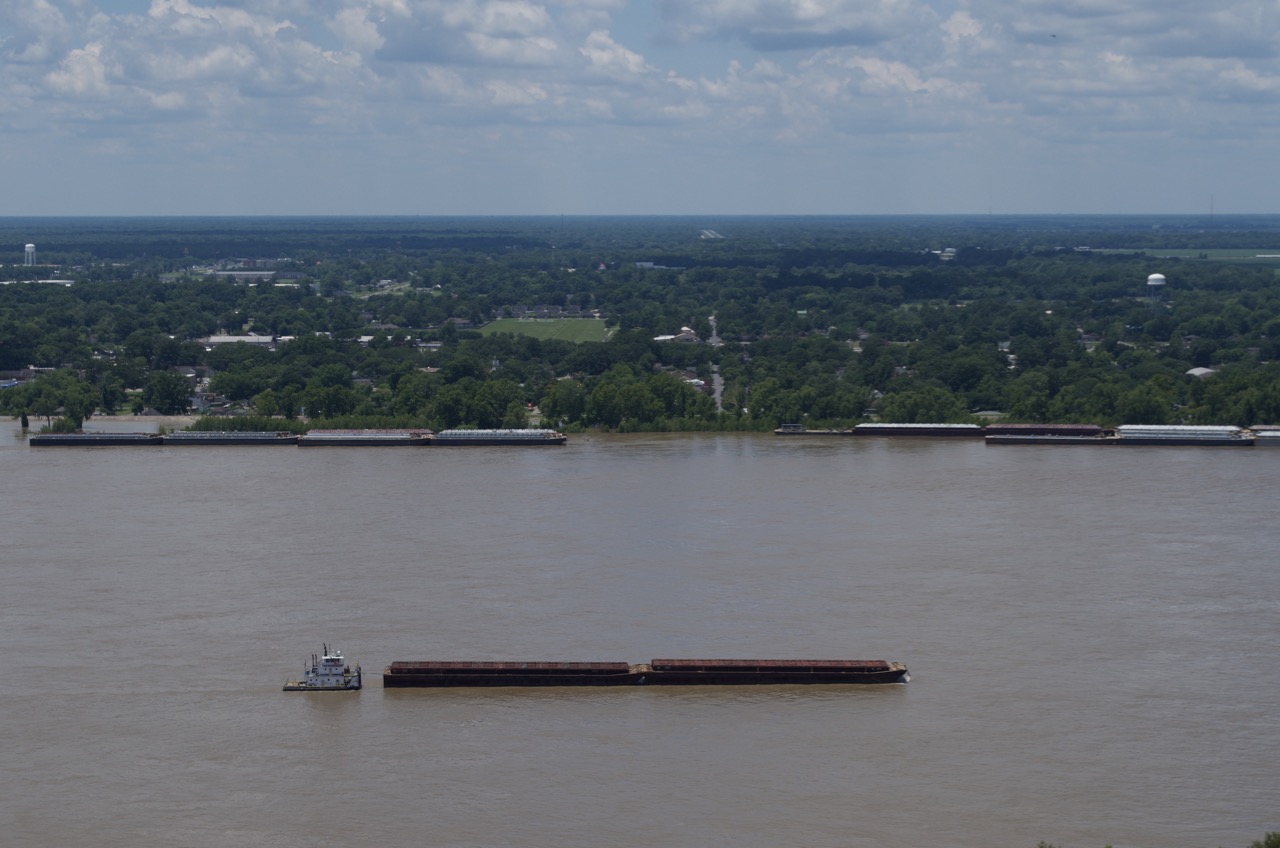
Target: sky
655 107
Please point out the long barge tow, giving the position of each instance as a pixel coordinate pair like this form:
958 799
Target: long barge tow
660 672
326 438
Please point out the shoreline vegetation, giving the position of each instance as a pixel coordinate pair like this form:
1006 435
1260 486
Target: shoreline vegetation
1270 840
643 324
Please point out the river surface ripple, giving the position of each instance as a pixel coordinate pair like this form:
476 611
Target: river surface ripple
1093 636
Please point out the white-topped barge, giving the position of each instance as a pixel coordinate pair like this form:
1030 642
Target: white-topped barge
328 672
490 438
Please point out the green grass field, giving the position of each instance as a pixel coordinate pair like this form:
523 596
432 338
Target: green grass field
565 329
1243 256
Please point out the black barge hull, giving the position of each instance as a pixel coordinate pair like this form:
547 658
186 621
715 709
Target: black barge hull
80 440
656 673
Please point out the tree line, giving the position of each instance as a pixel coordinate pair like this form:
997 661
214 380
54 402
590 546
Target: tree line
819 322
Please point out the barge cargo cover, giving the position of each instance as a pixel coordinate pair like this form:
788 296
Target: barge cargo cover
365 438
491 438
202 438
1144 435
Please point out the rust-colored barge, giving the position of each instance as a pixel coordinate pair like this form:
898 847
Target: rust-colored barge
665 672
431 674
738 672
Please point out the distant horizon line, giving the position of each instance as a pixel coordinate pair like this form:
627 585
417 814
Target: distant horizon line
568 215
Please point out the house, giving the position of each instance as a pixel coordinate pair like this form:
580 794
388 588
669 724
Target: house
686 335
268 342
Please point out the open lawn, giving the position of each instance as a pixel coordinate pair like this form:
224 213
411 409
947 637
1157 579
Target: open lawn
566 329
1241 256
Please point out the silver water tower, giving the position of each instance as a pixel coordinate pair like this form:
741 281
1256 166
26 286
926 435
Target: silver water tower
1155 291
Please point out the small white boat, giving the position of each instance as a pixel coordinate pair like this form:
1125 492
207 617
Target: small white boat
328 672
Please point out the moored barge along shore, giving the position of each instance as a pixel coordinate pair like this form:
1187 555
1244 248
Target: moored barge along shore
659 672
203 438
1127 435
489 438
365 438
905 430
79 440
312 438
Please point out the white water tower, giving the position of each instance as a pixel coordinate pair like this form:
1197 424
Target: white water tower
1155 290
31 255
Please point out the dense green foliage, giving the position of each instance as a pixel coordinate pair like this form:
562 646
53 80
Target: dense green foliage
824 321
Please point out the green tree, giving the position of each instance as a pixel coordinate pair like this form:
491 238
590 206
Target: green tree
413 392
491 402
929 405
266 403
516 417
328 402
167 393
564 400
288 398
450 406
1143 405
60 392
111 393
1028 397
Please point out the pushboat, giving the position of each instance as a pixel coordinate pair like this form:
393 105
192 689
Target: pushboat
328 672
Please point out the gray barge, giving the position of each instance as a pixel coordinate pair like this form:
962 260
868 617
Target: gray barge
201 438
44 440
365 438
1182 436
485 438
919 431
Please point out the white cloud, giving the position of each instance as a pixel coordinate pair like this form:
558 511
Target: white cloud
182 17
961 27
496 18
609 57
528 50
478 32
505 93
585 15
358 32
491 54
793 24
82 73
32 32
789 75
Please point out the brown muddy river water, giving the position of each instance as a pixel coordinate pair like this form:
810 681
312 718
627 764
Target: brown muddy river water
1093 636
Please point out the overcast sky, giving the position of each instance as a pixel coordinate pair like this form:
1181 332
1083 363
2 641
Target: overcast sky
434 107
